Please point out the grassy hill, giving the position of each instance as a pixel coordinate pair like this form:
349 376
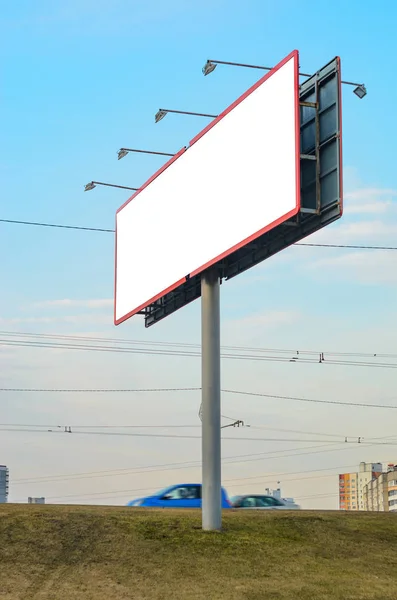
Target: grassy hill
108 553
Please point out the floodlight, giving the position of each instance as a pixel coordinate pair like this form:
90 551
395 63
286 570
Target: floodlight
124 151
121 153
160 114
208 67
360 91
163 111
92 184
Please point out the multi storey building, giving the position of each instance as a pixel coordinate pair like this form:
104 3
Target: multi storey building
351 486
277 494
380 494
4 475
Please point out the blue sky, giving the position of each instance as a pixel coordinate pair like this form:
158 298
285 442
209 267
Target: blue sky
80 80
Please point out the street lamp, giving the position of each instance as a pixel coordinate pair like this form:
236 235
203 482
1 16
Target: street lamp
360 89
160 114
90 186
124 151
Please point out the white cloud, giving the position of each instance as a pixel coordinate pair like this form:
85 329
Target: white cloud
369 200
369 267
369 218
250 330
267 320
353 232
370 193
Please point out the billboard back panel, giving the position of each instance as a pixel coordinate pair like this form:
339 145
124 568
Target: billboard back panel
321 190
239 178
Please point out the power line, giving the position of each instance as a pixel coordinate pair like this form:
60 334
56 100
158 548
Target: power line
171 426
288 479
164 352
316 401
350 246
169 436
176 466
225 391
281 475
108 426
56 225
344 441
317 496
313 450
130 491
78 227
239 458
197 346
97 390
169 466
331 435
195 349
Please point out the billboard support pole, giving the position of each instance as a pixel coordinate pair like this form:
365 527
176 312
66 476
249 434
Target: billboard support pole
211 401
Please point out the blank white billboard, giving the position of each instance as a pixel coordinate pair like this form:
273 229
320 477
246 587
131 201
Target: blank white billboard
236 180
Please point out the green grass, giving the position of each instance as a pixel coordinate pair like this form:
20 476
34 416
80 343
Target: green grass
104 553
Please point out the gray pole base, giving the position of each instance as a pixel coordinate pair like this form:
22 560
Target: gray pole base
211 401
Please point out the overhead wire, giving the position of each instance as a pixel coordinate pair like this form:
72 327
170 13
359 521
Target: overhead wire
282 475
234 459
103 230
164 435
152 352
101 390
268 477
106 494
194 437
234 485
129 491
171 426
56 225
196 346
311 400
223 390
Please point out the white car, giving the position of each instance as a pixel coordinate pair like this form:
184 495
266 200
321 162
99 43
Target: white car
258 501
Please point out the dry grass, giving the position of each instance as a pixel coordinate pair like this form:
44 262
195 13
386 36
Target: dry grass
103 553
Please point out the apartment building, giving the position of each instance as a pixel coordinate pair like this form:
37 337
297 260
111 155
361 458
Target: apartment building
380 494
277 494
4 475
352 485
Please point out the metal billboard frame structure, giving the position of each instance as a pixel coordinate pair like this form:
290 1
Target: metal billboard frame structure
321 189
320 203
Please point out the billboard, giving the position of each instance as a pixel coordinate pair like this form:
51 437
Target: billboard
237 179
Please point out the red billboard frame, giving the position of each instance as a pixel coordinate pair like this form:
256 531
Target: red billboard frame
293 55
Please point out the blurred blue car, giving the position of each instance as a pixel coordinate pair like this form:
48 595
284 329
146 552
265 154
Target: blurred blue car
182 495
